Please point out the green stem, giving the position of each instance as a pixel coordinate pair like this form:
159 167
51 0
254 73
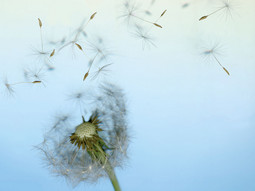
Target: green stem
98 154
110 171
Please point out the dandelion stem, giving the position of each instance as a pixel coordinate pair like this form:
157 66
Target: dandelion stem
78 33
34 82
110 171
216 11
217 60
93 60
98 154
41 38
142 19
221 64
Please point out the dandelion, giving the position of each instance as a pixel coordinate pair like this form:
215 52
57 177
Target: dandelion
100 53
8 88
40 55
213 52
34 82
162 14
99 50
226 6
130 12
79 31
144 36
102 71
35 73
93 148
90 65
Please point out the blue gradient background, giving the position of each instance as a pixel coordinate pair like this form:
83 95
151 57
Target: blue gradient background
192 125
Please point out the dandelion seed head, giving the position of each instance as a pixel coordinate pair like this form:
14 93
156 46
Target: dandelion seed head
85 130
74 150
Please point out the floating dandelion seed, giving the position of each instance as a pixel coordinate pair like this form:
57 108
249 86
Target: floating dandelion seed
98 53
99 50
213 52
34 74
130 13
13 84
79 31
90 65
129 10
226 6
94 148
162 14
144 36
8 88
101 70
41 55
155 22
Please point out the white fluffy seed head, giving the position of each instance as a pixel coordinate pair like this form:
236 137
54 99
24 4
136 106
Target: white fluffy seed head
86 129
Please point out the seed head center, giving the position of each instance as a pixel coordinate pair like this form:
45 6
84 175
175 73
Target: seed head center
86 129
